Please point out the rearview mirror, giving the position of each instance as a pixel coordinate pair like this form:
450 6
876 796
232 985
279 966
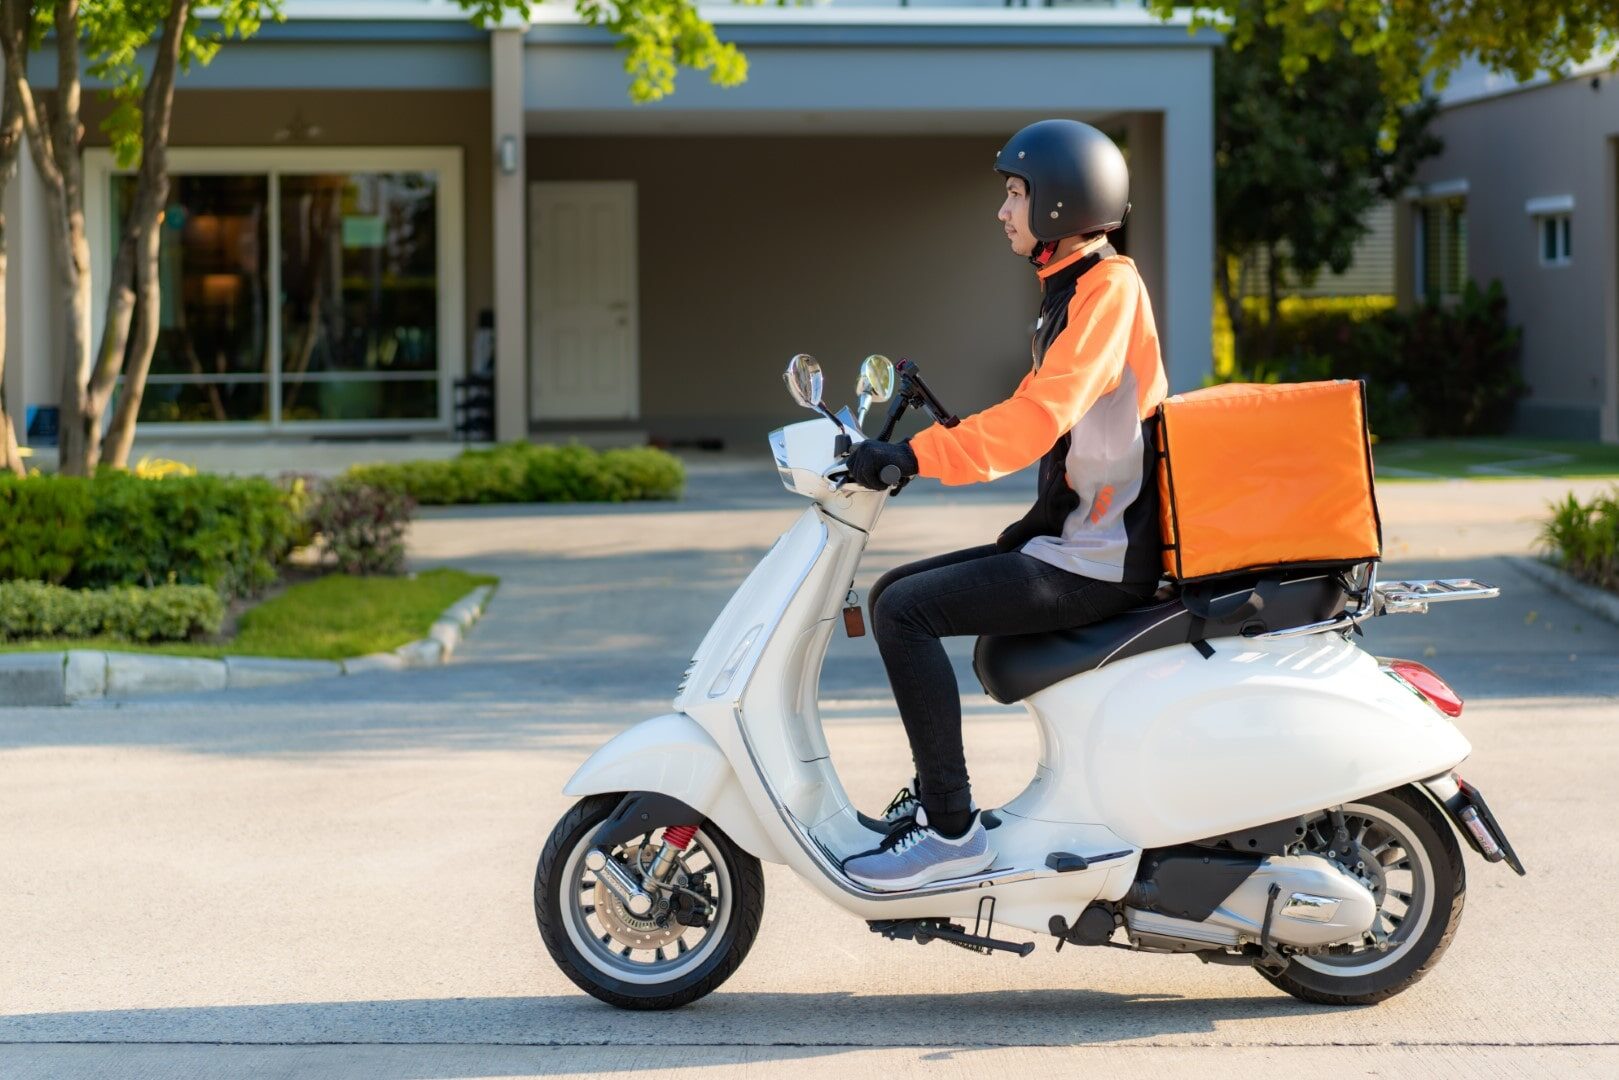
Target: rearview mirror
876 378
804 382
876 383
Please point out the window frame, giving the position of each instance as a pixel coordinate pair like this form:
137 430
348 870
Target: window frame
444 162
1438 196
1562 238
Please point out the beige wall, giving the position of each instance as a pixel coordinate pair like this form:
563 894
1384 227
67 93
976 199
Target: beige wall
754 248
1553 140
251 118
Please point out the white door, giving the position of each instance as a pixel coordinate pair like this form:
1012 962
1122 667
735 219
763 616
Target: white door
583 358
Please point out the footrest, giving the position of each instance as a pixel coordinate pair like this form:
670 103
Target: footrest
1066 862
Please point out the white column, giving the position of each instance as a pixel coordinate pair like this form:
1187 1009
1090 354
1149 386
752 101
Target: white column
508 213
30 326
1188 230
1144 133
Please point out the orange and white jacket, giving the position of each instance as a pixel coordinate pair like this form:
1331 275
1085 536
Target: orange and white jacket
1086 412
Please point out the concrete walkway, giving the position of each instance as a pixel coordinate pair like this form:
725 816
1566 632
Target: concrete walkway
335 878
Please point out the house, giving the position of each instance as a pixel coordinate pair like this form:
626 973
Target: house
1525 192
359 191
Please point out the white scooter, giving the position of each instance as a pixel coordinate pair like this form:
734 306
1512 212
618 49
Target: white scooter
1243 783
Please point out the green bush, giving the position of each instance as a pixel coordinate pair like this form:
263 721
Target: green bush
1435 371
229 533
1585 537
362 526
33 609
524 472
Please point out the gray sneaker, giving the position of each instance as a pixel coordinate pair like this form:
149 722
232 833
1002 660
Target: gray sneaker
916 855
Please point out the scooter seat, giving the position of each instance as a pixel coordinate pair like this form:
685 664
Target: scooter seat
1012 667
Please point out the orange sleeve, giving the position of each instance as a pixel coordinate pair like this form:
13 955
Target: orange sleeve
1084 362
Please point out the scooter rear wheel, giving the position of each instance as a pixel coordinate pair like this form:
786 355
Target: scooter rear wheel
1406 853
653 962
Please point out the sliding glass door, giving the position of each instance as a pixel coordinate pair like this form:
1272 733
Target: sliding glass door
302 290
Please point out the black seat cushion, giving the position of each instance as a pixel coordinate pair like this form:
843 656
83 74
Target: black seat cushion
1013 667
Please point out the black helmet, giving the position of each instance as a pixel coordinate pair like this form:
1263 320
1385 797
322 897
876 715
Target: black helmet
1078 182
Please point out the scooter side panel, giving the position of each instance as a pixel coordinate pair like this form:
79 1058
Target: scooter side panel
1169 747
674 756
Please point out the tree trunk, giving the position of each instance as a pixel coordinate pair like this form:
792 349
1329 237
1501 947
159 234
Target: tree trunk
143 235
1272 285
10 146
1231 296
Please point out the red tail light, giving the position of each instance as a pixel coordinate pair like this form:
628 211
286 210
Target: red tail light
1421 679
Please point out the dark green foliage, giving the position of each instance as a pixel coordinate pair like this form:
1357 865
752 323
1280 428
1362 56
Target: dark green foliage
1300 159
1437 370
41 526
524 472
1585 537
1461 364
34 610
362 526
229 533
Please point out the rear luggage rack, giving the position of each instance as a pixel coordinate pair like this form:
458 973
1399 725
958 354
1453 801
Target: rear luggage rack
1372 597
1396 597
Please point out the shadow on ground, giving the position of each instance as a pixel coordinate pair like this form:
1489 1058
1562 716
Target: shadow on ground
728 1024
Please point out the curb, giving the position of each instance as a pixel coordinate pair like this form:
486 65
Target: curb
1597 601
62 678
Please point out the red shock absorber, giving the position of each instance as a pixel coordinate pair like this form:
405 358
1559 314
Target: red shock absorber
678 836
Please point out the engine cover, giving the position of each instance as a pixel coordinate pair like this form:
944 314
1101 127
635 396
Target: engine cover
1318 904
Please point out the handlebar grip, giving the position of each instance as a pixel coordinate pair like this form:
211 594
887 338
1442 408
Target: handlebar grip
890 475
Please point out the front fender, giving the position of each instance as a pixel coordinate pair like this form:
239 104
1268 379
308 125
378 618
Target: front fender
674 756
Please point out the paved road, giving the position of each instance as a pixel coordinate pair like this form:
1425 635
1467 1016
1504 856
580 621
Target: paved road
335 878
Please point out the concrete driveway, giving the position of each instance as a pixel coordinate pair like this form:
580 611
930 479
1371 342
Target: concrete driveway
335 878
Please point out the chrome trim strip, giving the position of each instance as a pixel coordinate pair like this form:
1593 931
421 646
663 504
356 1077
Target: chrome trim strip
1147 630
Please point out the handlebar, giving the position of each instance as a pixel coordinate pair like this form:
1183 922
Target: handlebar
911 393
914 393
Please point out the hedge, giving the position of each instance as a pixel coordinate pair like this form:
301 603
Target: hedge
1585 537
33 610
1437 370
228 533
524 472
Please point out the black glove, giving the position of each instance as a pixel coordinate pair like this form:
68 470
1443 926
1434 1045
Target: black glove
867 461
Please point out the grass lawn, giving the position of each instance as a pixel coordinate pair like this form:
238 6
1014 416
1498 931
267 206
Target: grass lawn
1429 459
327 619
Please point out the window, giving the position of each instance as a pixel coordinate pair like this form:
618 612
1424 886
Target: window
301 289
1441 236
1554 232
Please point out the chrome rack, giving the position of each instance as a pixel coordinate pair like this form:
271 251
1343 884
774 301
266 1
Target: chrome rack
1373 597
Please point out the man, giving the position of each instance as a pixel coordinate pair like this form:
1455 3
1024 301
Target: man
1088 548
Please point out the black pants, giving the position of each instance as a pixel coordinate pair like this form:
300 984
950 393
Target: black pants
981 590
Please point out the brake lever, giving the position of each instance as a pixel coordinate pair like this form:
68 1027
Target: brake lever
836 482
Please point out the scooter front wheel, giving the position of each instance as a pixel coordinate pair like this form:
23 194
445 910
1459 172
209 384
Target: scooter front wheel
655 961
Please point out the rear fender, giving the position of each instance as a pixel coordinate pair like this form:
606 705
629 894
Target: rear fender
672 755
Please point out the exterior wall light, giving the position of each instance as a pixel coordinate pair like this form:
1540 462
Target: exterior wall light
508 155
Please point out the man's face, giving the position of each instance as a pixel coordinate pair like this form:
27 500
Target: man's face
1014 217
